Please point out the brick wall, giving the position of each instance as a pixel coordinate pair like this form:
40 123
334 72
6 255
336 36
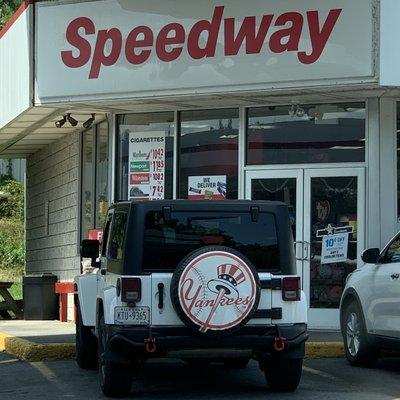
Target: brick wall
52 227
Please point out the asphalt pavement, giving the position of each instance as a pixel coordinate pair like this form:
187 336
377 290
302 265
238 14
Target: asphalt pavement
169 379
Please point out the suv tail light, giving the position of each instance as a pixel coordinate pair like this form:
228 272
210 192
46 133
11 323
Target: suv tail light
291 289
131 290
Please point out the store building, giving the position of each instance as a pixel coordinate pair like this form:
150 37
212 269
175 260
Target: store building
182 99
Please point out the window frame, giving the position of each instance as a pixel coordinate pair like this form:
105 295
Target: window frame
115 266
384 256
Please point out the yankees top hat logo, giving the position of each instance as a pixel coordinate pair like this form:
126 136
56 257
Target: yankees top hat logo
217 291
229 277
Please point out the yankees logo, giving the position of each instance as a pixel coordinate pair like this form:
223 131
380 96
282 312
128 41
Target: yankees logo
217 290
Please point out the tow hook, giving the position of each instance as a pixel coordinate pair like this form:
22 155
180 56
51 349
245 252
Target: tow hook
280 344
280 341
150 345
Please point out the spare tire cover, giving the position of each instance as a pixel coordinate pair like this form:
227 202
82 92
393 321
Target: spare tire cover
215 290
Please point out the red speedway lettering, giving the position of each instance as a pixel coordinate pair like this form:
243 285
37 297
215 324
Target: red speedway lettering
171 40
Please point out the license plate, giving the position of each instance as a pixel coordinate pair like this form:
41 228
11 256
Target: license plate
132 315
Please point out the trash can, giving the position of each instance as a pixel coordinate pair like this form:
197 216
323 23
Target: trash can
40 298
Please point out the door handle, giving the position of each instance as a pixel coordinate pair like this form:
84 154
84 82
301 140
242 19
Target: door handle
395 276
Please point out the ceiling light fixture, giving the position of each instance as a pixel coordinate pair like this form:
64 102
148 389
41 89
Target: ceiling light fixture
61 122
87 124
71 120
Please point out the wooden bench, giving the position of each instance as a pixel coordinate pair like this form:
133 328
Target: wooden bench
9 304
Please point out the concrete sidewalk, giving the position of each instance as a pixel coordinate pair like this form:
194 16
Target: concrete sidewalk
54 340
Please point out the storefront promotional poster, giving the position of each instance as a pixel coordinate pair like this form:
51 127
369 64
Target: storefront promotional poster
146 165
207 187
334 248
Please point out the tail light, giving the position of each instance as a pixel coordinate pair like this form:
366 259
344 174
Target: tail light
131 290
291 289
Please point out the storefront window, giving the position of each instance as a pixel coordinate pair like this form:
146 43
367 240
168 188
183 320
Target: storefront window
145 156
102 174
95 161
327 133
87 181
209 154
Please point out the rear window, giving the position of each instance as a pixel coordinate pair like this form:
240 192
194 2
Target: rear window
167 242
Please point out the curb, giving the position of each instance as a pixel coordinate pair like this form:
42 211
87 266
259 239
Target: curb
29 351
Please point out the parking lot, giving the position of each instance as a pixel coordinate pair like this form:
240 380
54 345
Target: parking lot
327 379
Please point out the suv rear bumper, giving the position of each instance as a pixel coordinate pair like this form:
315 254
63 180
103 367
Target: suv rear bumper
127 343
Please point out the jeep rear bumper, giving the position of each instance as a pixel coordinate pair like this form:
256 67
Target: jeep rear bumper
125 344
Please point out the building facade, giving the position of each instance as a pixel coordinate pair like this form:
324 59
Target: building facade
141 100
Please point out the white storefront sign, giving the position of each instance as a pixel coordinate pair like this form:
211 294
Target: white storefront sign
211 187
120 48
389 43
334 248
146 165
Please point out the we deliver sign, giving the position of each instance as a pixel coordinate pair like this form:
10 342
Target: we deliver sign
139 48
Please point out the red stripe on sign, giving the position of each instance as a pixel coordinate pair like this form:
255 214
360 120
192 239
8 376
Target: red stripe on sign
24 6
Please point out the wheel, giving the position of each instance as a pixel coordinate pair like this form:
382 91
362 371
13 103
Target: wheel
358 351
86 344
115 379
237 363
283 375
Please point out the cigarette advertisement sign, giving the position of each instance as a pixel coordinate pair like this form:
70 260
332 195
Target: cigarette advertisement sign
207 187
146 165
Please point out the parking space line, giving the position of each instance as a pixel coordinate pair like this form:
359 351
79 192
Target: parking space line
319 373
48 374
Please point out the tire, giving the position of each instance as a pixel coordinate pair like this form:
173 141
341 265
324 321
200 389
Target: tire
283 375
196 318
357 348
115 379
237 363
86 344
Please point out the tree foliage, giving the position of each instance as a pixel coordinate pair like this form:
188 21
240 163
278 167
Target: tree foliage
7 9
11 199
12 249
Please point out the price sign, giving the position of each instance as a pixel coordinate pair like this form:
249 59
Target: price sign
146 165
334 248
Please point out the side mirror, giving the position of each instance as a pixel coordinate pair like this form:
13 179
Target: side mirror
371 256
90 249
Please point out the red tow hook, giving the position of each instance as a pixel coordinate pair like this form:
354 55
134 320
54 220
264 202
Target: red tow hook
150 345
280 344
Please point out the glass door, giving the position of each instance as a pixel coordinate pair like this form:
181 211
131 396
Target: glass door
327 211
285 186
334 212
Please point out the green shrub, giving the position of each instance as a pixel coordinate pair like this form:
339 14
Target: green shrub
11 199
12 245
12 250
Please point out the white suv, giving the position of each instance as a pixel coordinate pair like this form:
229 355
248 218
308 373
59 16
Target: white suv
370 305
201 281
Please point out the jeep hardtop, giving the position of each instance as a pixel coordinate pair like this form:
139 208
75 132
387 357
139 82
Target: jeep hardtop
203 281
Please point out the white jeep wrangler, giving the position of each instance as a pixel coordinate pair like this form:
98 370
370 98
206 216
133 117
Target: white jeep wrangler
201 281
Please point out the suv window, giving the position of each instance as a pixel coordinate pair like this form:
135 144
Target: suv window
117 236
106 234
393 251
167 242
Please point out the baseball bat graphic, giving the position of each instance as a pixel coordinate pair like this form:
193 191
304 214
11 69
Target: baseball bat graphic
206 324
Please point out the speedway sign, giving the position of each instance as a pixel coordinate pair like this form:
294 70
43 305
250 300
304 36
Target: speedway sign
124 48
